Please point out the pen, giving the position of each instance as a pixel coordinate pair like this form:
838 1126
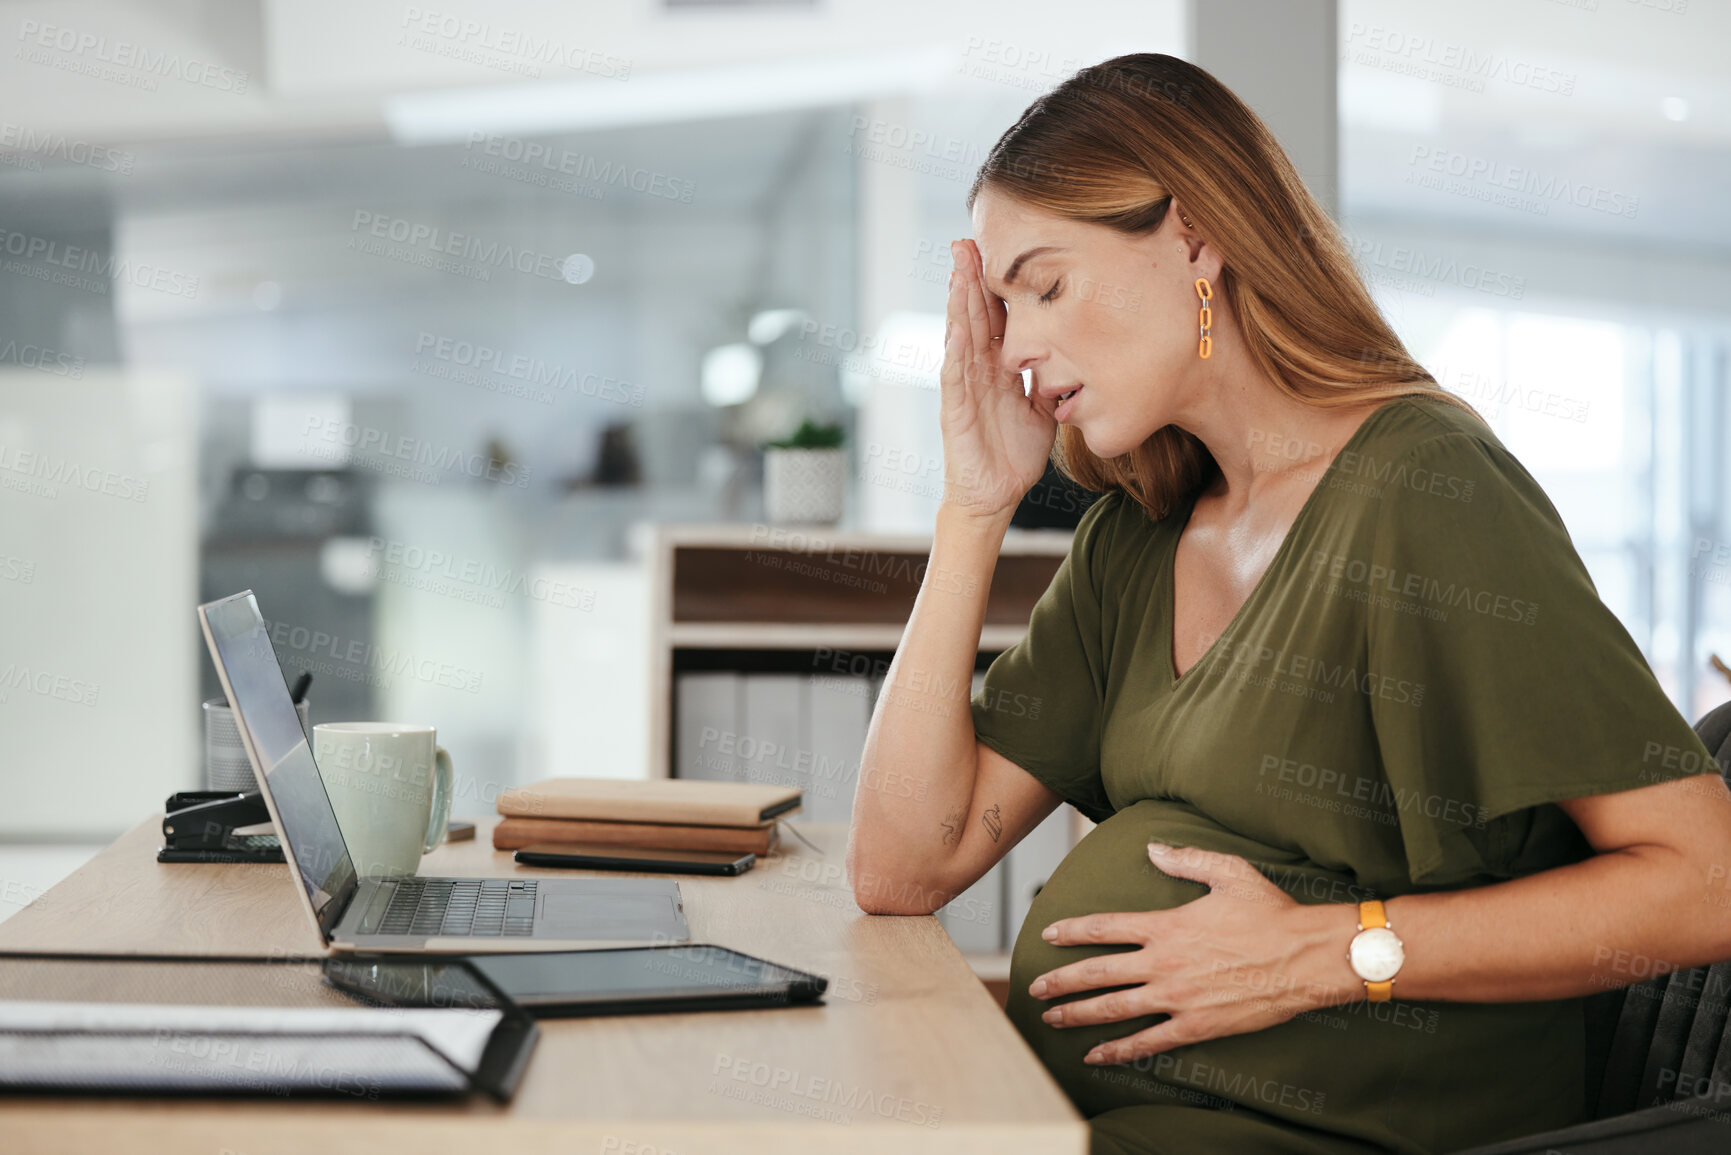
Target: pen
300 689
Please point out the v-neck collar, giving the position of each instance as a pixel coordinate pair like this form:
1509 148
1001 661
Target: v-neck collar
1173 678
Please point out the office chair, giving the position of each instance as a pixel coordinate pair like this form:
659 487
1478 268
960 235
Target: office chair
1658 1052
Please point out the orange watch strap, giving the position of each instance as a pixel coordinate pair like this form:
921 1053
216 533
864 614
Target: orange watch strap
1379 992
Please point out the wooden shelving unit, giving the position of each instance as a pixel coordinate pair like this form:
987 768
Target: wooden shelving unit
755 588
731 595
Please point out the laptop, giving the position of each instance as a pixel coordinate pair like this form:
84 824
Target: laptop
417 914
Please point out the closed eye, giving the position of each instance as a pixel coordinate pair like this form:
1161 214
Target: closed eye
1050 294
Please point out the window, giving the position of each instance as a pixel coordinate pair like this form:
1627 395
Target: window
1624 425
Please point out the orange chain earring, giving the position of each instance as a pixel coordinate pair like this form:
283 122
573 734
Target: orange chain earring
1206 291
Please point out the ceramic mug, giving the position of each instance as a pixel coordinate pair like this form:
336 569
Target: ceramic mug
390 786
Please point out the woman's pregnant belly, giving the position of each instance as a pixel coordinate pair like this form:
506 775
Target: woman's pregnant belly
1346 1069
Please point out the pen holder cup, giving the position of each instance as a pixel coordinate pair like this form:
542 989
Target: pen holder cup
225 762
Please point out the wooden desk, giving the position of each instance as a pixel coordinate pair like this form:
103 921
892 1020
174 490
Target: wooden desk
909 1050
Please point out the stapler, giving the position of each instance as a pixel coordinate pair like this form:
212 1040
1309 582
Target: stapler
218 826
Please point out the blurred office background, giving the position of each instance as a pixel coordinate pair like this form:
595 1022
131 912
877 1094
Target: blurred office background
413 318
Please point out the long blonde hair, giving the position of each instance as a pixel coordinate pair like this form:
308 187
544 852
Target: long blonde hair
1113 145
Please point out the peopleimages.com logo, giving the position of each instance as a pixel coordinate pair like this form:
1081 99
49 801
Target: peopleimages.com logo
121 61
84 268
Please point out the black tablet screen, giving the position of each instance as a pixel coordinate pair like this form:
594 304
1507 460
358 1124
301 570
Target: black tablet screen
675 972
625 980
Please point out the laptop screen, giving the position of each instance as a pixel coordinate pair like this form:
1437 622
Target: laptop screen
283 760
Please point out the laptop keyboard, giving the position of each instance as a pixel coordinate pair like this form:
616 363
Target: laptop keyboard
461 907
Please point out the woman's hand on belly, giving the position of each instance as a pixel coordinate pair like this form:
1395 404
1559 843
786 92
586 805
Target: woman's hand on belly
1243 957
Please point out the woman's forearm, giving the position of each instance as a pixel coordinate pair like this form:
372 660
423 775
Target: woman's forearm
1614 919
917 770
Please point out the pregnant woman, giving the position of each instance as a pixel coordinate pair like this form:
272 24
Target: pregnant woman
1382 788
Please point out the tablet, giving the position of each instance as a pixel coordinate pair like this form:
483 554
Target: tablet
554 984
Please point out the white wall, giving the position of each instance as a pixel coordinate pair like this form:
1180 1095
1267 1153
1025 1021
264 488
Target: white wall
99 642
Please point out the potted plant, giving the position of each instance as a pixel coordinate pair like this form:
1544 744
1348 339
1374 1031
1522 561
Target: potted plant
805 475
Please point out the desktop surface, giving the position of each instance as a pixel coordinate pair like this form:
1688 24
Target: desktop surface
907 1052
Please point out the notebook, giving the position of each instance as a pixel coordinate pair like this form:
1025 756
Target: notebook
668 800
515 833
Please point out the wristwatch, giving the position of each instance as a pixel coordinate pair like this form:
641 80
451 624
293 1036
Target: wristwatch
1375 952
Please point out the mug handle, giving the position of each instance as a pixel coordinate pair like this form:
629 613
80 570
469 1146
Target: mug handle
440 818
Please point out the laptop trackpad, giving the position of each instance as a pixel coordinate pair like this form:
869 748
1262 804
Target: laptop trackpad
610 916
578 909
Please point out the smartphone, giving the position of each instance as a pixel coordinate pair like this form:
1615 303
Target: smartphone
599 856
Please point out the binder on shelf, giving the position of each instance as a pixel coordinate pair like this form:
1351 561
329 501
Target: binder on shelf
769 744
975 917
1029 864
838 712
707 727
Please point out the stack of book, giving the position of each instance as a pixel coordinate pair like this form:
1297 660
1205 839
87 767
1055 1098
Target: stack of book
654 814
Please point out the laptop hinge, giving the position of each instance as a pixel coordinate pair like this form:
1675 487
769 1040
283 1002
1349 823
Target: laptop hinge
340 907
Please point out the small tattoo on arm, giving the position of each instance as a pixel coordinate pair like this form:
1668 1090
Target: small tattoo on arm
994 823
953 827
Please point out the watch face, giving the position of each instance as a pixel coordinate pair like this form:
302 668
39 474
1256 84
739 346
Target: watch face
1375 954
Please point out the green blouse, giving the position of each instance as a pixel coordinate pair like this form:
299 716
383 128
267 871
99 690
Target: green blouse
1423 671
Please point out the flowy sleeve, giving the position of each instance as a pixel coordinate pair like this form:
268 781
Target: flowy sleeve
1535 691
1041 702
